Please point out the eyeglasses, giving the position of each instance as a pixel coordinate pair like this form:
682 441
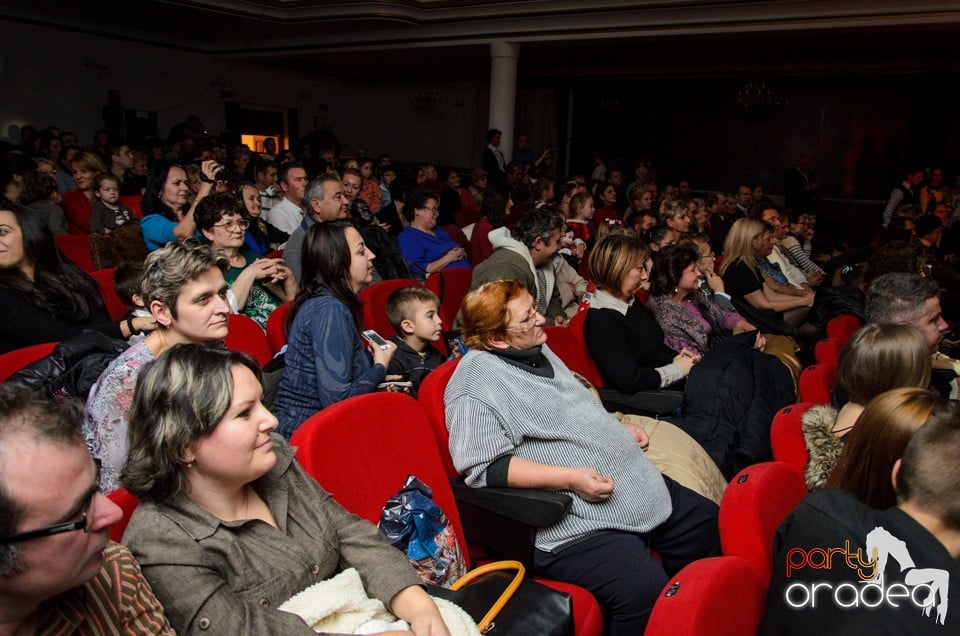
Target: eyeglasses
230 226
710 255
57 528
427 207
525 325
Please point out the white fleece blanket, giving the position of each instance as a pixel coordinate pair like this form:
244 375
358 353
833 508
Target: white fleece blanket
341 605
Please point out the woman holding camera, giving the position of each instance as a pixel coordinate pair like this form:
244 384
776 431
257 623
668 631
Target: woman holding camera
166 213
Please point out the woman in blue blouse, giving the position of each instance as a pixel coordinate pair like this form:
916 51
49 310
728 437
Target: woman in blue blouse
426 247
327 360
167 213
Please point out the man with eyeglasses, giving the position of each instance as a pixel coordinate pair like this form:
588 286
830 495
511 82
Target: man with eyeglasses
59 572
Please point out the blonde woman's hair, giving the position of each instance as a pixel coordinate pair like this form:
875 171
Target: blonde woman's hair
612 257
738 245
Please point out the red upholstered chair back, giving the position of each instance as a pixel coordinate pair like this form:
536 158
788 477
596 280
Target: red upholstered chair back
133 201
754 505
827 351
361 450
450 286
246 336
786 436
277 326
816 382
13 361
717 595
76 247
430 396
842 327
374 300
115 307
590 371
375 308
128 503
569 349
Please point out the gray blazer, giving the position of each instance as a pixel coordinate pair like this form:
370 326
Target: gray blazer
216 577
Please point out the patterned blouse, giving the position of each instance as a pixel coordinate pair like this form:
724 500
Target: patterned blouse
684 324
108 407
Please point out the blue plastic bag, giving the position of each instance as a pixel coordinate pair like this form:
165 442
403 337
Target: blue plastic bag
413 522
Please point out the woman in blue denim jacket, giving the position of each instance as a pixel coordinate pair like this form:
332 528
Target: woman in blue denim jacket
327 360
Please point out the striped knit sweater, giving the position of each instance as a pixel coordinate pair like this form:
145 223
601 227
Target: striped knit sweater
494 409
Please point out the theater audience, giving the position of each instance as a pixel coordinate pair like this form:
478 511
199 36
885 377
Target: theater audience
184 289
326 359
229 525
518 417
45 297
731 394
875 359
259 284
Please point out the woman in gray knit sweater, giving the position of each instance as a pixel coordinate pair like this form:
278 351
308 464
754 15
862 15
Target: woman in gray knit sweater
518 417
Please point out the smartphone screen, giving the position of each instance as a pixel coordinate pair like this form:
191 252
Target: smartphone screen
375 338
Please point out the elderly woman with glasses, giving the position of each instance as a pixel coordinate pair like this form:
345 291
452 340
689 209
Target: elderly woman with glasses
259 285
427 248
518 417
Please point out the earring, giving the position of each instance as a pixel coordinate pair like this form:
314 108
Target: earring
676 290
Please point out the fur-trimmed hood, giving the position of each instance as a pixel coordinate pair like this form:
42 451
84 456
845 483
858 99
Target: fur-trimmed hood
823 447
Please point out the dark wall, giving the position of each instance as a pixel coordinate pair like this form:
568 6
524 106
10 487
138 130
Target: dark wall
861 131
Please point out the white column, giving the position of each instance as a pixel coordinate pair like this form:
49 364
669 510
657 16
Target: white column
503 92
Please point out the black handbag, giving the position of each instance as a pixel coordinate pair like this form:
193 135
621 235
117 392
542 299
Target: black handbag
530 609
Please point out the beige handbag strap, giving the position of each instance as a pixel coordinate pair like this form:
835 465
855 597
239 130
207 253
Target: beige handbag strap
486 623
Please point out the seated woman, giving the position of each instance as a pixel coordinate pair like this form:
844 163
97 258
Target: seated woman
883 430
518 417
78 203
688 320
45 297
730 396
261 237
259 285
748 242
167 216
427 248
229 525
494 210
622 335
326 359
875 359
183 288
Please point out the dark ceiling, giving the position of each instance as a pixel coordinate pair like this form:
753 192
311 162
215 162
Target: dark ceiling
559 39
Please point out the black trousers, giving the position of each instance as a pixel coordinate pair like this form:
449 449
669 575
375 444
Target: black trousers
619 570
